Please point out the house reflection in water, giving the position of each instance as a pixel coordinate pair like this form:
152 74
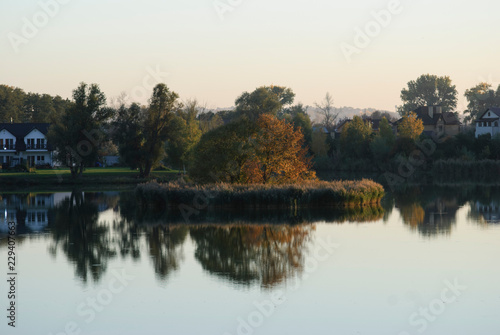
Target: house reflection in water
30 211
490 213
432 218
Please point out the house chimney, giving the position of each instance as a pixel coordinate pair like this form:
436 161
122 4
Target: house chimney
439 109
431 112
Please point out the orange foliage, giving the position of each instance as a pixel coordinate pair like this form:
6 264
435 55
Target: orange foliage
279 156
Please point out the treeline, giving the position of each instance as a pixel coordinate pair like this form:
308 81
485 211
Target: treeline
412 155
266 139
18 106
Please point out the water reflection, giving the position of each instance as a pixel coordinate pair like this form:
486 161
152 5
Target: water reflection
263 254
247 248
77 232
432 211
428 211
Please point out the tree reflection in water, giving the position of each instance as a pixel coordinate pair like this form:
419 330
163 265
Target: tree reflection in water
76 231
246 254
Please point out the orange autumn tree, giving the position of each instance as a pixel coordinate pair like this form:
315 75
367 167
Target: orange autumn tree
279 156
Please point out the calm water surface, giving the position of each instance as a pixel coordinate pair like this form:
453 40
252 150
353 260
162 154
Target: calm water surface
96 263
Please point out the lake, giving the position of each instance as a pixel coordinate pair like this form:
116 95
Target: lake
96 263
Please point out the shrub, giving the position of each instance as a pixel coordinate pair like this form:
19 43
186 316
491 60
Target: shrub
306 194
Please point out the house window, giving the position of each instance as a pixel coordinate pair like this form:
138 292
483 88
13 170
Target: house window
31 143
1 143
40 158
31 217
479 124
489 123
9 144
496 123
40 143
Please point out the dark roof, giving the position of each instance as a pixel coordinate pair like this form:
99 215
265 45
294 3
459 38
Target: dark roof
495 110
449 118
20 130
23 129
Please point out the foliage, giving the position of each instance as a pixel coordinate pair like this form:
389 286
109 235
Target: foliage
278 155
163 104
221 153
302 121
141 133
410 127
319 145
209 121
184 134
307 193
77 134
429 90
18 106
264 100
129 135
385 131
355 137
480 98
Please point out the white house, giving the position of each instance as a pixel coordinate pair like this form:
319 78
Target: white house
488 122
22 143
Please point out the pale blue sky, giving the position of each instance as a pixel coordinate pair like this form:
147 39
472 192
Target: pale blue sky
295 43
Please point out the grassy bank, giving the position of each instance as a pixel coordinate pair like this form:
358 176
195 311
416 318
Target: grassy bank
308 194
91 176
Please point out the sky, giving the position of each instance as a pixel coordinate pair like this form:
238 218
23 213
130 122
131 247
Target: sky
363 52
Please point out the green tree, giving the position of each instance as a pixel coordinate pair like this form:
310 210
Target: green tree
386 131
480 98
383 143
163 106
429 90
301 119
220 154
264 100
410 127
38 108
319 146
209 121
77 134
11 103
128 134
355 137
185 133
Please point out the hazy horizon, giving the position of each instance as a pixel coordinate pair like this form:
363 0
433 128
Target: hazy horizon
215 50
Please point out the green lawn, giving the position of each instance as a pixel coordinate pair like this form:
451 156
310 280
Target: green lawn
94 176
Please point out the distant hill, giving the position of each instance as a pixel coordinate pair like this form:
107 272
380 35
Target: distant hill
348 112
